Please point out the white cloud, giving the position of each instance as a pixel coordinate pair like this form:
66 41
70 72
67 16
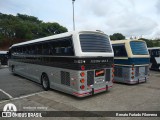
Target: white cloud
129 17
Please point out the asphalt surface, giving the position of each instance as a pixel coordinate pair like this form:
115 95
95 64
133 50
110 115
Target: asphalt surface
122 97
15 85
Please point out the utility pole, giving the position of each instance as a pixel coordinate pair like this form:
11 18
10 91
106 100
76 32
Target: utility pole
73 15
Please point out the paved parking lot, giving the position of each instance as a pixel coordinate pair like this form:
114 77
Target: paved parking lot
12 86
122 97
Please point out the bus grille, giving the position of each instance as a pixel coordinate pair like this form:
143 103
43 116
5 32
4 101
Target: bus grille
65 78
108 74
137 71
90 77
118 72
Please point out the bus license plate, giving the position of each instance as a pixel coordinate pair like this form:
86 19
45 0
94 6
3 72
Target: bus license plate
99 81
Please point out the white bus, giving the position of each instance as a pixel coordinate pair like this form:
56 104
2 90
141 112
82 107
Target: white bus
131 60
77 63
155 58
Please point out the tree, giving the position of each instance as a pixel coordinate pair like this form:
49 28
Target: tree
21 28
148 42
117 36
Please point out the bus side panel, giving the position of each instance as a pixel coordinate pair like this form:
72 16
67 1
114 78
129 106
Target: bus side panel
25 70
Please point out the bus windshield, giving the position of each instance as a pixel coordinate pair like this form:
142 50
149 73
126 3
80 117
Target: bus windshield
138 48
95 43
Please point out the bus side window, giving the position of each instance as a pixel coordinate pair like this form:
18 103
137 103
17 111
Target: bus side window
52 50
39 49
45 50
58 50
119 51
32 49
24 50
63 50
69 51
19 50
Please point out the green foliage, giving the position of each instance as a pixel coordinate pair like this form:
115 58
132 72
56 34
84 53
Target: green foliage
117 36
148 42
28 18
21 28
151 43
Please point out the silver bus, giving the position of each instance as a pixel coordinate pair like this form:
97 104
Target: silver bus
131 60
77 63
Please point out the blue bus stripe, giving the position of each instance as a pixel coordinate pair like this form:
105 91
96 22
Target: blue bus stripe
130 61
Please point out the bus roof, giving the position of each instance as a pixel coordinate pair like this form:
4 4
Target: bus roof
123 41
3 52
66 34
153 48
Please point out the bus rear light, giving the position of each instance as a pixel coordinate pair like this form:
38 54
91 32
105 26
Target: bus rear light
82 74
112 65
132 77
113 70
82 87
132 65
82 80
132 73
82 67
132 68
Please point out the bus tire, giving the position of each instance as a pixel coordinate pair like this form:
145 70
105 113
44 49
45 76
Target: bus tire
45 82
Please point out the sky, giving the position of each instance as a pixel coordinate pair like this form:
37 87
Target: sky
129 17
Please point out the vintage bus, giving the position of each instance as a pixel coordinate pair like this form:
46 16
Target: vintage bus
131 60
3 58
155 58
77 63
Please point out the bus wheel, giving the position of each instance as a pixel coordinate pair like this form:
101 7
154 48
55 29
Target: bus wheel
45 82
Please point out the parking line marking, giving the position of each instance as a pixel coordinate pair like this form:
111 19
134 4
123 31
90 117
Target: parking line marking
6 94
25 96
21 97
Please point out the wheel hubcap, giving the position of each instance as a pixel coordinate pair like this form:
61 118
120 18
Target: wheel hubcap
45 82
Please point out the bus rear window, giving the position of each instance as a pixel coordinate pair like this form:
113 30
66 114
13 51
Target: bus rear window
138 48
95 43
